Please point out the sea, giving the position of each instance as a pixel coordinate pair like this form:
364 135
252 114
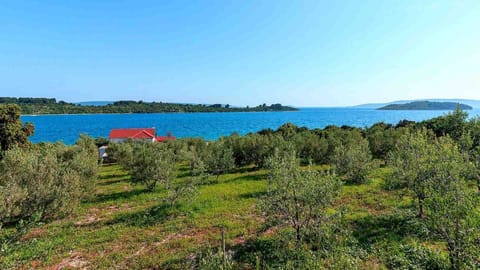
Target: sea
211 126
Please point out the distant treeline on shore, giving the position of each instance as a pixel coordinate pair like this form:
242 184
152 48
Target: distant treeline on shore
427 105
52 106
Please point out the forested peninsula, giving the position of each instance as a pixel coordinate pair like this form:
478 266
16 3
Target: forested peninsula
426 105
52 106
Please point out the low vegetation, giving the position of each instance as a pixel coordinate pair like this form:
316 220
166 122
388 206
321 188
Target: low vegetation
383 197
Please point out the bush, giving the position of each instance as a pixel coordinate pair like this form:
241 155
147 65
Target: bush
122 153
296 197
219 158
415 256
211 260
353 160
311 148
37 184
82 157
152 164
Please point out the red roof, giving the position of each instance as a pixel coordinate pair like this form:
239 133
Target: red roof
132 133
165 138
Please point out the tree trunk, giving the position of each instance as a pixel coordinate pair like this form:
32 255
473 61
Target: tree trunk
299 237
224 250
420 207
453 256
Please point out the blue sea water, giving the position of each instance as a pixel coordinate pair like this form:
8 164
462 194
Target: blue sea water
67 128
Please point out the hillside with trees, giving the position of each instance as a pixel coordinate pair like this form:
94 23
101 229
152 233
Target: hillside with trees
426 105
52 106
403 196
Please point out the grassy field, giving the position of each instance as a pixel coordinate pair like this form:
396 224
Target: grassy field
124 227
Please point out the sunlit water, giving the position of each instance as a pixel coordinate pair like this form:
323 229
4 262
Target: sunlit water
67 128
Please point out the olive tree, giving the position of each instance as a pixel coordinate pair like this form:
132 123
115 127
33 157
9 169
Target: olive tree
298 197
353 160
36 184
122 153
451 207
83 158
413 163
152 164
219 158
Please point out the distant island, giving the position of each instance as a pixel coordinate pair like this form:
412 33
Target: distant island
426 105
52 106
470 102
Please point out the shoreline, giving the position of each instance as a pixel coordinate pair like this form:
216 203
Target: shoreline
57 114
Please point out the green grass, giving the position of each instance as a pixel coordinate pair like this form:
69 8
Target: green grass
124 226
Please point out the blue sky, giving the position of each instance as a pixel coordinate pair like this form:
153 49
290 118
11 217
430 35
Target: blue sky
302 53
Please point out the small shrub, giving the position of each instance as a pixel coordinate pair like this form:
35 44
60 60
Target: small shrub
415 256
211 260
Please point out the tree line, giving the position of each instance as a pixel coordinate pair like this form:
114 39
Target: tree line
51 106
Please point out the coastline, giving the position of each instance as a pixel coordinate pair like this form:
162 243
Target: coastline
57 114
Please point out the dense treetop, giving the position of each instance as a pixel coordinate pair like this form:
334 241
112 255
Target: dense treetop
12 131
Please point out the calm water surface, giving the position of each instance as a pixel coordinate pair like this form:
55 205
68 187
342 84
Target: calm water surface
67 128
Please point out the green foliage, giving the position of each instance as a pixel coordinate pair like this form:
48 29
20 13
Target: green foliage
288 131
414 162
311 148
82 157
219 158
433 170
427 105
211 260
310 222
196 159
51 106
415 256
281 253
12 132
298 197
336 137
452 124
453 215
420 162
250 149
35 183
122 153
152 164
382 139
353 160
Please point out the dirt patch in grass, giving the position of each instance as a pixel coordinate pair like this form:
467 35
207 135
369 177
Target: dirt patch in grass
74 261
90 219
34 233
98 214
36 264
